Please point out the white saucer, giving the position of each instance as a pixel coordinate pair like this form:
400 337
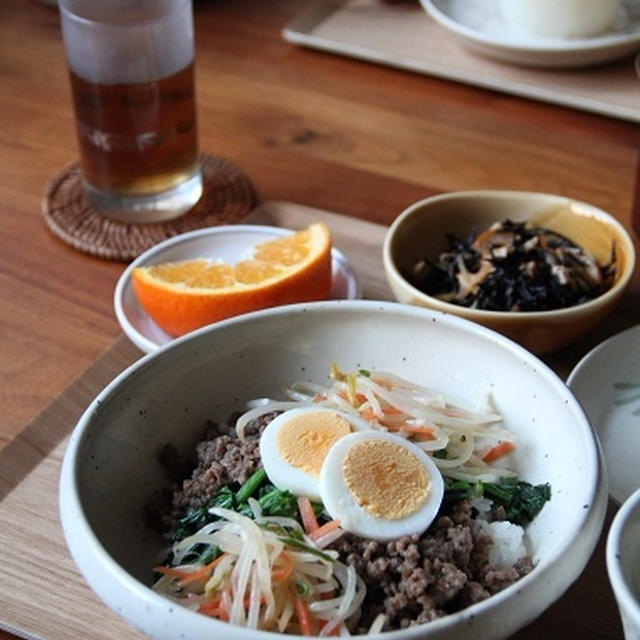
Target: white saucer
480 26
606 382
228 243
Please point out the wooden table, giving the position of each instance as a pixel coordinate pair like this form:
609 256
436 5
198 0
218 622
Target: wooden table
308 127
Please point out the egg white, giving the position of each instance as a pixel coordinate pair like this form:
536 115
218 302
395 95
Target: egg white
281 473
342 506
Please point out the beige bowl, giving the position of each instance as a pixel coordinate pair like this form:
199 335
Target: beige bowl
420 232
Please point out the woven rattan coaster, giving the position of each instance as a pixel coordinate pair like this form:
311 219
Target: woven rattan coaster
227 198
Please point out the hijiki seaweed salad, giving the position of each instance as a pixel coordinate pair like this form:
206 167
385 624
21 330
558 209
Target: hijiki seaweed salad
368 504
513 267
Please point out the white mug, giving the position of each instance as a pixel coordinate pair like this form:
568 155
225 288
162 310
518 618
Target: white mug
623 564
560 18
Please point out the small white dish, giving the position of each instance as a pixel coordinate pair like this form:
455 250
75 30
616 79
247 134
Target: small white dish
623 564
480 25
229 243
606 382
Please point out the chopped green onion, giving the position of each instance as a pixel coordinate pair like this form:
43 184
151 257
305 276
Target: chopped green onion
302 588
276 502
249 487
292 542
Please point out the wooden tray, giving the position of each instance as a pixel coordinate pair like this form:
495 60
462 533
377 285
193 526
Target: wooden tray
400 34
42 593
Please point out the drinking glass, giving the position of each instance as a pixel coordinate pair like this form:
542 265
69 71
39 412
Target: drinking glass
132 82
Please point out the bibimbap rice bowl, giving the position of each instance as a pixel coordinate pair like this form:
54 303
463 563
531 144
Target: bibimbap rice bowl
453 570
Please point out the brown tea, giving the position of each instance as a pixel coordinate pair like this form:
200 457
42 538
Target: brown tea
140 138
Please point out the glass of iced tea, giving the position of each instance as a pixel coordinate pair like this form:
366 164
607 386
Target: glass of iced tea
132 80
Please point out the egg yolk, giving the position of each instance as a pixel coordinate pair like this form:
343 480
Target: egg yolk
385 479
304 440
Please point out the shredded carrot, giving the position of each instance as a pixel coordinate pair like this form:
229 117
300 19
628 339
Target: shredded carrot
499 450
355 400
171 571
223 614
209 604
324 529
283 573
210 608
202 574
309 521
383 382
369 414
225 599
422 432
422 437
186 577
216 608
304 616
387 412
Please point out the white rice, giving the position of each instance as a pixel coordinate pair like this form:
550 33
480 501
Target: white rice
508 543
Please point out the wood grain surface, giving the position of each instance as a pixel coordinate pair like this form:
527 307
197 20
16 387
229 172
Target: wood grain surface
346 136
403 35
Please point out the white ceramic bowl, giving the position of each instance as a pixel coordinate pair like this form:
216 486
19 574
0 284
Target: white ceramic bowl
480 26
110 468
623 563
420 232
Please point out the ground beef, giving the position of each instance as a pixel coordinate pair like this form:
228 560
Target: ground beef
412 579
221 459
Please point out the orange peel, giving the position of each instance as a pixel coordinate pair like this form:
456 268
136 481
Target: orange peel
183 296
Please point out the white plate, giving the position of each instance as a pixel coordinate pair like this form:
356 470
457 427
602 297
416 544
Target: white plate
607 384
479 24
228 243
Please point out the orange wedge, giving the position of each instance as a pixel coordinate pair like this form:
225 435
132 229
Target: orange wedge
183 296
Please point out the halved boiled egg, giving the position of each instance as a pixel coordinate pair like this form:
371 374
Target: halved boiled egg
380 486
294 444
